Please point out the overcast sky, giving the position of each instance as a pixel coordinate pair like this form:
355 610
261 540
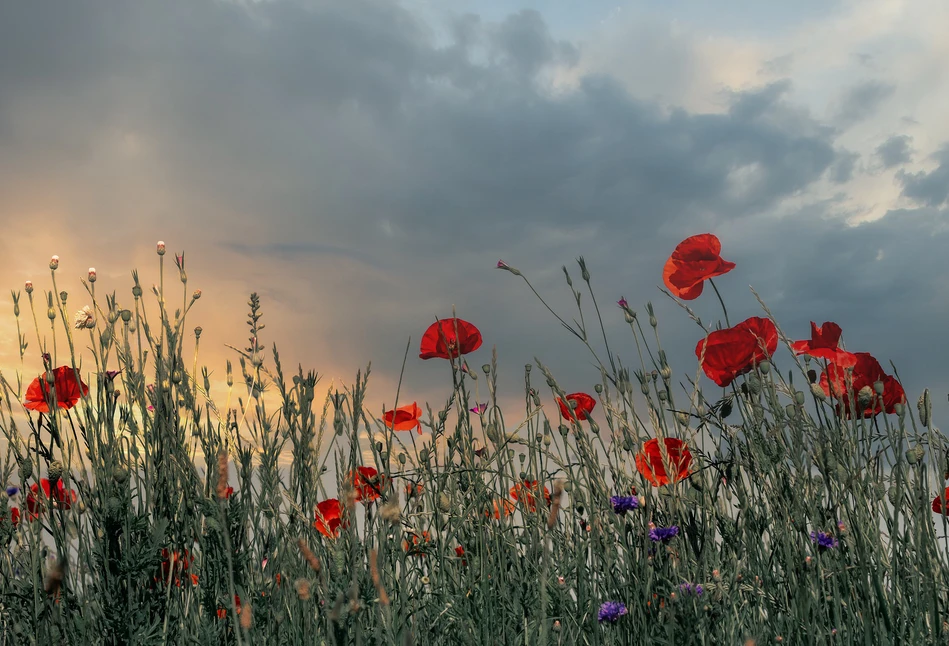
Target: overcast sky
363 164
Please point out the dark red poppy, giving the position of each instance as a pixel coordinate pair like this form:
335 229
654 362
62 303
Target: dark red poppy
368 483
524 492
734 351
60 498
460 553
440 339
404 418
649 461
585 405
174 564
694 261
414 489
940 501
823 344
222 612
865 372
228 492
329 517
67 387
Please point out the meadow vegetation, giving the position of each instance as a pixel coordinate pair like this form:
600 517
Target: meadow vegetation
778 491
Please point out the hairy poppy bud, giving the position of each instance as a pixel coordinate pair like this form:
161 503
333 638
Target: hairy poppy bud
865 396
161 248
799 397
26 470
925 408
126 315
63 296
764 367
92 274
894 495
818 392
55 472
137 291
54 263
598 388
878 387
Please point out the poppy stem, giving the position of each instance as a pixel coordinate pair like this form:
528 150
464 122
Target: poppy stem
724 309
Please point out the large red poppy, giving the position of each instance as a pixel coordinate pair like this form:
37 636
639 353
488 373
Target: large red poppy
823 344
329 516
524 492
650 464
413 548
694 261
368 483
734 351
441 341
585 405
865 373
14 516
68 388
60 498
938 501
404 418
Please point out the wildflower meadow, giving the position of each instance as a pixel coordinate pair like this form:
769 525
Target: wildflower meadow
780 489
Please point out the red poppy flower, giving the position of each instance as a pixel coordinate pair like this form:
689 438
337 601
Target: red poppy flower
694 261
501 505
68 389
329 517
823 345
14 516
734 351
939 501
413 489
441 341
222 612
412 548
460 553
60 498
173 565
368 483
649 462
404 418
585 405
524 492
228 492
865 373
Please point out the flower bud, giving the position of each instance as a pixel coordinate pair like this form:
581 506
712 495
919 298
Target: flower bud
63 296
137 291
764 367
197 332
55 472
126 315
161 248
598 388
54 263
92 274
51 313
653 322
878 387
196 295
799 397
925 408
26 470
818 392
865 396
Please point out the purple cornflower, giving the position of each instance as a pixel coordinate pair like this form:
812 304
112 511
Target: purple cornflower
694 588
622 302
824 540
479 409
12 491
611 611
622 504
663 534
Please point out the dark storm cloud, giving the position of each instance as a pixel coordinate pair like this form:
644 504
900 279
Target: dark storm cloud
862 101
895 151
370 175
929 188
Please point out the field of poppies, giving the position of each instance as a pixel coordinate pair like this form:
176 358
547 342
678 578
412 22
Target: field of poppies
737 504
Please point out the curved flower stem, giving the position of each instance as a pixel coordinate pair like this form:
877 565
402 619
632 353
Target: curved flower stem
724 309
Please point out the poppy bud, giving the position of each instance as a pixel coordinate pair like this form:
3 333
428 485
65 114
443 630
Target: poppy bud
598 388
653 322
865 396
925 408
818 392
799 397
161 248
137 291
63 296
764 367
51 313
547 440
126 315
894 495
401 458
26 470
565 273
55 472
54 263
564 430
666 372
726 408
683 418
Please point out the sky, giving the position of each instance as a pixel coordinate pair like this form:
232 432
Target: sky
363 165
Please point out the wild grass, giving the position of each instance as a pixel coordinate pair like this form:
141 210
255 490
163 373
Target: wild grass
150 456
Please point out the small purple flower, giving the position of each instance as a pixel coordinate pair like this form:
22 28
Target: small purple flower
502 264
12 491
691 588
479 409
622 303
663 534
622 504
506 267
824 540
611 611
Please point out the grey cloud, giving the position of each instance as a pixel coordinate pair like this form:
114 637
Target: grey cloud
932 188
862 101
895 151
842 170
